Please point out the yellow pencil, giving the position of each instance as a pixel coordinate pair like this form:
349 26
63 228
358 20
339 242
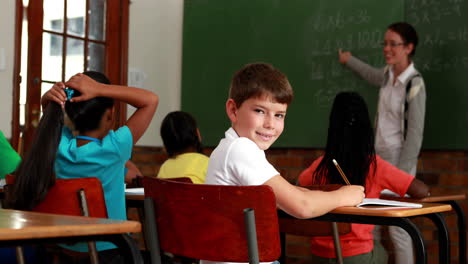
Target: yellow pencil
341 172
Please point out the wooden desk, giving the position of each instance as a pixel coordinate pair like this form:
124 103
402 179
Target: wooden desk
18 228
450 199
396 217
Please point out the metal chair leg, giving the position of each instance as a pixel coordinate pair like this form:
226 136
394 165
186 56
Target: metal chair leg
19 255
151 232
251 230
93 255
336 242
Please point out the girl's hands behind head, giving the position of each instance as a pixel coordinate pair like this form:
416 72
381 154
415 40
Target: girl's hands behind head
88 87
55 94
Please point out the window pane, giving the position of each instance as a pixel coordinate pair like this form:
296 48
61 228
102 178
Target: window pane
75 57
96 55
45 86
76 13
53 15
22 114
97 19
52 46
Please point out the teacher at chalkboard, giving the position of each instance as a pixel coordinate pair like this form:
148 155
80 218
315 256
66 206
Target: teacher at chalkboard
400 112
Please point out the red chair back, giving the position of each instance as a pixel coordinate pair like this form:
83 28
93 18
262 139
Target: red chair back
180 179
138 180
9 179
207 221
63 198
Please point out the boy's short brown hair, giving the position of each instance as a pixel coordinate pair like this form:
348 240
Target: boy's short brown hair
259 79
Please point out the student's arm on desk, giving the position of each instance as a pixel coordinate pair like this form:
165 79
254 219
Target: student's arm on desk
418 189
132 171
303 203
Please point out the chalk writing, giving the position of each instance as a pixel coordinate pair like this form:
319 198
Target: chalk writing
323 96
434 14
439 64
338 20
365 39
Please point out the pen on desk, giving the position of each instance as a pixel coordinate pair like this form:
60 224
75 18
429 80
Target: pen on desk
341 172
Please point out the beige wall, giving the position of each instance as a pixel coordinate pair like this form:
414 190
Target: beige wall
155 48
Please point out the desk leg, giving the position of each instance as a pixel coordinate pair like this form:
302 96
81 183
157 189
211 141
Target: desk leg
282 258
141 216
461 231
151 232
413 231
137 204
129 248
405 223
444 249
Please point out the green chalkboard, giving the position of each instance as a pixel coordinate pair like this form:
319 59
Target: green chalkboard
442 58
299 37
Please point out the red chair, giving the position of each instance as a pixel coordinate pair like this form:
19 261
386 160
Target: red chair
72 197
63 198
180 179
9 179
138 180
207 221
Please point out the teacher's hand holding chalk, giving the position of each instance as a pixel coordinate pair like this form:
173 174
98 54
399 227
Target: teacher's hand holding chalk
344 56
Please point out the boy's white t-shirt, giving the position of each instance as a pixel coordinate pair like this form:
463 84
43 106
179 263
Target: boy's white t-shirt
237 161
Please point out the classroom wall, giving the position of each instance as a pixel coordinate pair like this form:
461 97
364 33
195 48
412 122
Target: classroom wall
154 58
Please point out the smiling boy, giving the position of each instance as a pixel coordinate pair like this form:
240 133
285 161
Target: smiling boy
258 100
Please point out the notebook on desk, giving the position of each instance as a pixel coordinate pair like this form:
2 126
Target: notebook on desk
387 204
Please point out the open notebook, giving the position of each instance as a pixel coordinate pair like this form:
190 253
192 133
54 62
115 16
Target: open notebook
387 204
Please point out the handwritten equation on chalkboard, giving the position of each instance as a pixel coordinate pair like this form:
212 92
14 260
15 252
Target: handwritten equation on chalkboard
301 38
442 59
443 29
354 30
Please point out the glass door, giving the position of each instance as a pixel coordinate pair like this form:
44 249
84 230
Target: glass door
61 38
